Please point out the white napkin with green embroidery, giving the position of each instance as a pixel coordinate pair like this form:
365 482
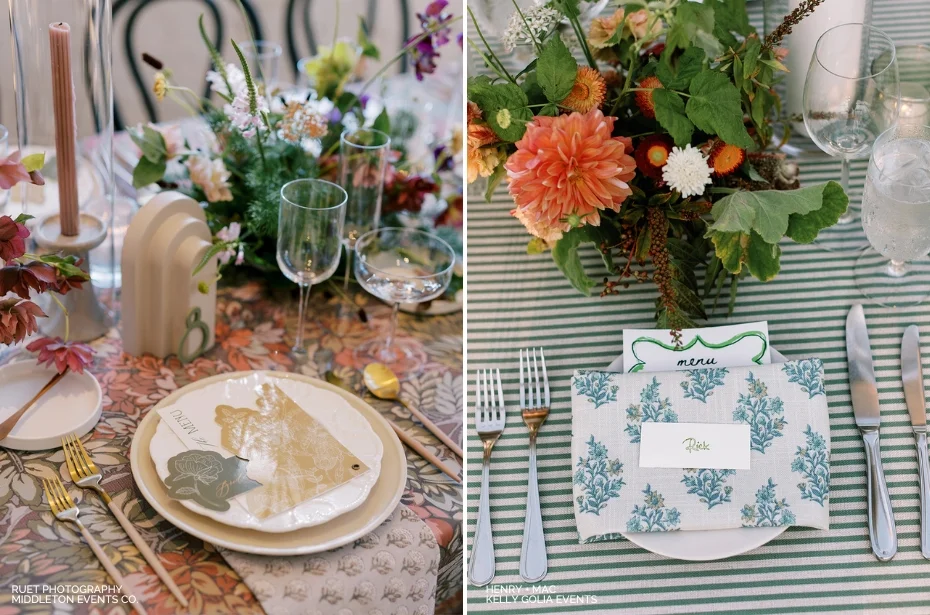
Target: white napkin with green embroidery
788 483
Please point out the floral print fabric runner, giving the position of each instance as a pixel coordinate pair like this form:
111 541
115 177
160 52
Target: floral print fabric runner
784 405
391 570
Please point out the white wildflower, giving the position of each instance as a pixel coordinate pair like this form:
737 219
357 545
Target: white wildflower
540 21
230 234
240 115
236 81
687 171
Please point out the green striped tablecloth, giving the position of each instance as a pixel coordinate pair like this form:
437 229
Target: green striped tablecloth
517 300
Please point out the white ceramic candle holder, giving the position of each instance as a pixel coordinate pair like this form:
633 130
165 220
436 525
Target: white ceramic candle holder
88 317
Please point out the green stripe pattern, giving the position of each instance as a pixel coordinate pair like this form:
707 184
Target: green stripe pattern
516 300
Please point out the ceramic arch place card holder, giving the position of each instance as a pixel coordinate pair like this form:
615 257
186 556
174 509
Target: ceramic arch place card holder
701 427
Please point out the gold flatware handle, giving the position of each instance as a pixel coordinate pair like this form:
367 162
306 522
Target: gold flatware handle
423 452
7 426
110 568
435 430
147 553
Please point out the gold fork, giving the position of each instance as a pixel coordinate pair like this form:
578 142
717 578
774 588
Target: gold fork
86 475
64 509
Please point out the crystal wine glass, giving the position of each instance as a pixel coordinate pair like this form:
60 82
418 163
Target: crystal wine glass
846 99
363 156
264 60
310 224
894 271
400 265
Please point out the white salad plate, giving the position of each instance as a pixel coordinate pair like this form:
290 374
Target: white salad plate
703 545
381 502
73 405
331 408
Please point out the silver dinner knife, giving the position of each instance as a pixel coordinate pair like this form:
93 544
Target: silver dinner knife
864 393
913 377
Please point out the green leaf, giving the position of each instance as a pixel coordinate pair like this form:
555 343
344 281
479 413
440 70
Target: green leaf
569 8
567 259
751 57
762 258
383 122
731 16
670 113
688 299
505 109
211 253
715 107
679 77
147 172
693 25
66 265
550 110
34 162
499 173
803 228
767 212
738 73
22 218
369 49
710 275
751 172
556 70
152 143
728 248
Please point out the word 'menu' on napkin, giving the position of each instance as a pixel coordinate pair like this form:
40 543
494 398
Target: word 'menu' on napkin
290 453
784 406
208 478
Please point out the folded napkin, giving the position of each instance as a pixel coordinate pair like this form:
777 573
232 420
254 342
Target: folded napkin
785 406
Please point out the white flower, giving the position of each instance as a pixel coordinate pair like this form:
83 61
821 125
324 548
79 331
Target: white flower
540 21
350 122
236 81
211 176
686 171
230 234
240 115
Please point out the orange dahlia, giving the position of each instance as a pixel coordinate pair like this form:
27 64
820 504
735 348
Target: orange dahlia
588 92
724 159
652 154
568 165
644 99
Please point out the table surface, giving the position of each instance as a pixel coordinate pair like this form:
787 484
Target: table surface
516 300
254 331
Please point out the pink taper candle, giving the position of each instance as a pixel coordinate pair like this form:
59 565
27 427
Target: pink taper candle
59 35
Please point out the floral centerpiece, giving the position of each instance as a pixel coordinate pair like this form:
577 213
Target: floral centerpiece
256 141
658 146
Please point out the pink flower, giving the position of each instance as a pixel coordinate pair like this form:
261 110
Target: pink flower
569 165
12 171
230 234
12 238
65 355
34 275
18 319
210 176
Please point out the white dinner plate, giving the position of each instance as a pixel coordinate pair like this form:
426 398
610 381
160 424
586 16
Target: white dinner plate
330 408
703 545
382 501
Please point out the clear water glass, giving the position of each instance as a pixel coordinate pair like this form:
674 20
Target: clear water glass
847 95
400 265
914 71
894 272
310 224
4 150
264 60
363 158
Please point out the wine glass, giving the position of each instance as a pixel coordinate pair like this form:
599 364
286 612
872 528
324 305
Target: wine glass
363 157
400 265
894 271
849 99
310 224
264 60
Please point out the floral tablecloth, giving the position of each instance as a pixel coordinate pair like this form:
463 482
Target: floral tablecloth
254 329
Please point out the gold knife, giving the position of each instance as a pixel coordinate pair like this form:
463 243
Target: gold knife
913 378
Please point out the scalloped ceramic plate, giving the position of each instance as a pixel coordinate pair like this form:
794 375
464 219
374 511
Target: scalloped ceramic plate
341 419
707 545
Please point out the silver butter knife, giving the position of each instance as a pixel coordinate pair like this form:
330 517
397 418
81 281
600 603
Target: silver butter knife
864 393
913 377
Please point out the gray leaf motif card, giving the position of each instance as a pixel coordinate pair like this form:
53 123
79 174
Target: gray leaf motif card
654 350
208 478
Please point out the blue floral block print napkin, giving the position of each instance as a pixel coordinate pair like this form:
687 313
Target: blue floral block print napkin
788 482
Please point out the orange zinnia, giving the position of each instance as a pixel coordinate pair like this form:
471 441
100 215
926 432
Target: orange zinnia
724 159
588 92
644 99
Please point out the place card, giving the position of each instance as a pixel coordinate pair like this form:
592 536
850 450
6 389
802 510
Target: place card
654 350
208 478
711 446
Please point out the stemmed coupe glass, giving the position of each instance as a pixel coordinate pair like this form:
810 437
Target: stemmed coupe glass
895 207
846 100
310 224
364 157
400 265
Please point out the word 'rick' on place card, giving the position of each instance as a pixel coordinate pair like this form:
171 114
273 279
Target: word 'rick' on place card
714 446
654 350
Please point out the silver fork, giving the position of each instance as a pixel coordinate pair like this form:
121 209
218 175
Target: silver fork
490 418
535 410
